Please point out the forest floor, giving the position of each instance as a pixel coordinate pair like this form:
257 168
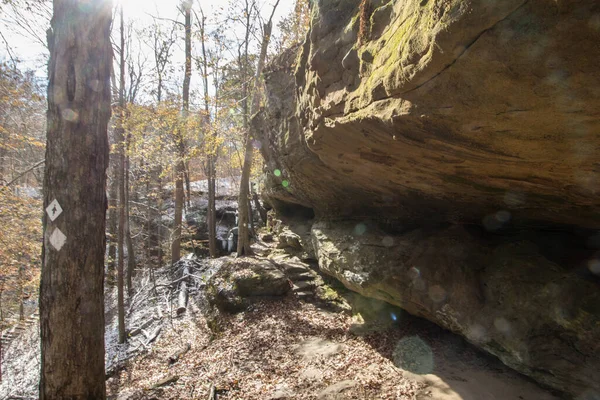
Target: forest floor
289 348
292 348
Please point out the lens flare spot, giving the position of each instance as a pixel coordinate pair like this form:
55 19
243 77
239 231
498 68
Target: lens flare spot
360 229
476 333
277 172
594 267
388 241
437 293
503 216
394 317
70 115
414 355
494 222
502 325
414 273
285 183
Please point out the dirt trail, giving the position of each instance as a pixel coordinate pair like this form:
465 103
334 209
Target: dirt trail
291 349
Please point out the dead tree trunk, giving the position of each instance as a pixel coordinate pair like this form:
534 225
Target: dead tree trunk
72 289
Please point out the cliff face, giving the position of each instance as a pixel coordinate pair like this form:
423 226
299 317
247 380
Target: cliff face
449 110
440 113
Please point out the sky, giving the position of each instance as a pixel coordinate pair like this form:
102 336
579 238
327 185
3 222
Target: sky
31 52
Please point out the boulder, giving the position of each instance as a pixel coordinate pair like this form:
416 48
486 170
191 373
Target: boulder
289 239
537 317
240 281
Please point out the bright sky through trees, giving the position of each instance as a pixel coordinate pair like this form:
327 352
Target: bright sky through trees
34 55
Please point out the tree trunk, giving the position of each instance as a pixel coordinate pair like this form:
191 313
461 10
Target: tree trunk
120 139
243 247
188 189
259 207
243 200
128 239
176 244
243 209
180 167
159 225
212 212
72 281
212 153
112 224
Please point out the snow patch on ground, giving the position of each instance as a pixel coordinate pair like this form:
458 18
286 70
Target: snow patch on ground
147 310
21 365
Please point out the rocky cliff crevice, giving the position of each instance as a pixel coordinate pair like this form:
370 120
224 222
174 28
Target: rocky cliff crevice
444 117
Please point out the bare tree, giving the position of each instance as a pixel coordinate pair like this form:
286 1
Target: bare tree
244 197
210 166
180 169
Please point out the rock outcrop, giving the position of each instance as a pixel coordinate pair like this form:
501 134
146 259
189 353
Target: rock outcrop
448 110
451 133
238 282
506 298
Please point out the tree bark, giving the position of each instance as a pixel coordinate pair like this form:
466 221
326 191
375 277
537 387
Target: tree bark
72 282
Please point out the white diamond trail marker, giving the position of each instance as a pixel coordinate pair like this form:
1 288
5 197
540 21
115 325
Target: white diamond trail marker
54 210
58 239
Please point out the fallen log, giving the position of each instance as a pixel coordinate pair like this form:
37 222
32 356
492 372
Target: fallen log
183 291
137 330
152 338
173 358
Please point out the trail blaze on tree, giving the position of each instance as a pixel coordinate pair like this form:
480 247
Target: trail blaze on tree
71 291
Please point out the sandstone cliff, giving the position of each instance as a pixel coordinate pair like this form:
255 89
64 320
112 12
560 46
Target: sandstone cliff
455 135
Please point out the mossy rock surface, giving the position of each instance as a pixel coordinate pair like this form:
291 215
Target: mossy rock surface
240 281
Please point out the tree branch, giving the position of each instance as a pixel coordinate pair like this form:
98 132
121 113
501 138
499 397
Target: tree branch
24 172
